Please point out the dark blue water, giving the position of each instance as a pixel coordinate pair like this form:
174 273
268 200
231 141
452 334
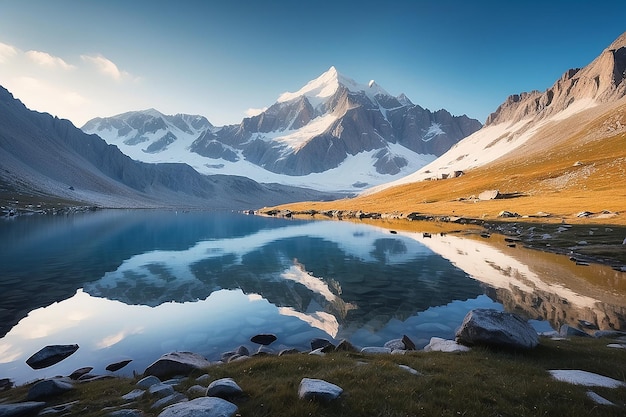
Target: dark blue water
137 284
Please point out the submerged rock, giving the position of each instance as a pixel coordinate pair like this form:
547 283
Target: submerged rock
263 339
496 328
50 355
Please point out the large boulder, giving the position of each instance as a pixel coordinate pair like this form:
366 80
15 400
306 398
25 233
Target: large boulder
50 355
176 363
201 407
496 328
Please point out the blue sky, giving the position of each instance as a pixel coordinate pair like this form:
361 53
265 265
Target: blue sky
83 59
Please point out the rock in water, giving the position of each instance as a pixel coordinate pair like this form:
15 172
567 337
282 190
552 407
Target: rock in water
201 407
263 339
318 389
176 363
496 328
118 365
50 355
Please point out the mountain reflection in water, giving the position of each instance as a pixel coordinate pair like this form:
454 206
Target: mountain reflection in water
139 284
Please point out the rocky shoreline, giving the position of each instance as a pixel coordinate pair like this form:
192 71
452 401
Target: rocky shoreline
208 397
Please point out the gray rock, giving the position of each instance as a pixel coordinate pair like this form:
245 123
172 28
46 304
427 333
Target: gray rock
80 372
196 390
409 370
177 363
318 343
224 388
588 379
148 381
438 344
290 351
203 378
318 352
21 409
394 344
408 343
567 330
175 398
133 395
50 355
318 389
118 365
126 413
201 407
58 409
489 195
611 334
5 384
48 388
263 339
161 390
376 350
345 346
496 328
598 399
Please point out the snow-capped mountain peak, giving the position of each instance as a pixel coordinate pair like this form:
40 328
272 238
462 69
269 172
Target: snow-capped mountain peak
324 86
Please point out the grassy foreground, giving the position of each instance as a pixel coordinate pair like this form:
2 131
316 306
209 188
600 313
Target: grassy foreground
482 382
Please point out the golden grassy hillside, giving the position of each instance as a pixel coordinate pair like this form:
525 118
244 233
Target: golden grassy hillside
569 166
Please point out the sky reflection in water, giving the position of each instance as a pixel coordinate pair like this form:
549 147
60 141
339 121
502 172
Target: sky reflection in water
136 285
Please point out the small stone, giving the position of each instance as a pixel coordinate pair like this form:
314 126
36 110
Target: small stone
50 355
318 352
224 388
5 384
408 343
288 352
203 378
567 330
201 407
58 409
320 343
48 388
126 413
318 389
585 378
345 346
598 399
133 395
80 372
394 344
409 369
148 381
438 344
175 398
376 350
161 390
177 363
196 390
616 346
118 365
21 409
263 339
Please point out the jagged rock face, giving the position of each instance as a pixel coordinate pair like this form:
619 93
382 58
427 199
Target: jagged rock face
361 123
602 81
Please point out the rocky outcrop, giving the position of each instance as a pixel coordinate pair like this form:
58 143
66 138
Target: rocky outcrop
496 328
601 81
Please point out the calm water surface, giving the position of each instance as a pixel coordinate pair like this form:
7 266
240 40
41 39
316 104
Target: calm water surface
137 284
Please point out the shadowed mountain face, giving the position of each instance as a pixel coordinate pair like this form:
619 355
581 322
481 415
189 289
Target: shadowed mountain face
45 155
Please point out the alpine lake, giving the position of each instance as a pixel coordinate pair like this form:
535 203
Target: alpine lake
135 284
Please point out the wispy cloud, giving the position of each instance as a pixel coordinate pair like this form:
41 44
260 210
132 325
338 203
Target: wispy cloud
46 60
106 67
7 52
251 112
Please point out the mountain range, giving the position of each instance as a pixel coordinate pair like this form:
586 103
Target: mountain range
47 157
333 134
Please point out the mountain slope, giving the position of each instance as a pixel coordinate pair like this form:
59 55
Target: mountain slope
44 155
332 134
563 157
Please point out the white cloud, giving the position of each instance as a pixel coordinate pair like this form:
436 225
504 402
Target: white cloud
46 60
251 112
7 52
106 67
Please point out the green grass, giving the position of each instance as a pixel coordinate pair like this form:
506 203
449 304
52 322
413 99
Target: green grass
483 382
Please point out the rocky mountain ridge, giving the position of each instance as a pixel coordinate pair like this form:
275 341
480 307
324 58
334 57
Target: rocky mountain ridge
46 156
309 136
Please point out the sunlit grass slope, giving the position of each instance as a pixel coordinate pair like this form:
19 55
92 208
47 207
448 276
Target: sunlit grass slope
569 166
